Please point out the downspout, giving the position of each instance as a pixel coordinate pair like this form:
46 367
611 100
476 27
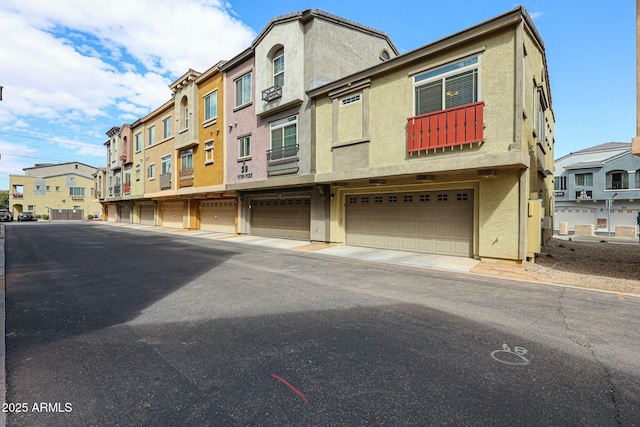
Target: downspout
517 138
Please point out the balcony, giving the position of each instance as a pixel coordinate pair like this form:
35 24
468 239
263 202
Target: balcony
186 178
165 181
274 92
126 188
447 128
283 160
18 195
116 190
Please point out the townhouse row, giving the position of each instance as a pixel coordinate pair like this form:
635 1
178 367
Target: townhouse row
321 131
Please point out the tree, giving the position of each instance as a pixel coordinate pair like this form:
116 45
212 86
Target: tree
4 198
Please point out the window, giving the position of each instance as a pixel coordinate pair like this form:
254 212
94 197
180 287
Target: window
584 180
186 160
137 172
446 87
208 152
166 128
151 171
48 188
617 180
138 140
31 208
211 106
244 147
76 207
57 188
152 135
76 191
560 183
284 137
166 164
184 106
243 90
278 68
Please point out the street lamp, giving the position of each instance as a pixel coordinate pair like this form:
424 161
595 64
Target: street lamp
609 213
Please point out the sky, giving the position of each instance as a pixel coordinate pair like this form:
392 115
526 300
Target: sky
73 69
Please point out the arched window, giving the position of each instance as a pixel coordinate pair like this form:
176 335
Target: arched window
617 180
184 113
278 68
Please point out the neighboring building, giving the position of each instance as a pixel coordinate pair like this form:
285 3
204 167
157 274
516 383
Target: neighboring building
270 156
598 186
446 149
635 142
62 191
320 131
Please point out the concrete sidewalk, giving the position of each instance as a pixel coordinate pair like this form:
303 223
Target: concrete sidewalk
412 259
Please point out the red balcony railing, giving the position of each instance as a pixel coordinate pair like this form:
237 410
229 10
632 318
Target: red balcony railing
446 128
18 195
126 187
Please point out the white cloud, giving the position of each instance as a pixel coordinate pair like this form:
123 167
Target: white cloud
74 71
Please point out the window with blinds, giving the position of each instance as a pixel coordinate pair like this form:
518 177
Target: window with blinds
449 86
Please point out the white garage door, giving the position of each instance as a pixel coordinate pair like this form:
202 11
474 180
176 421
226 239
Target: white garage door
439 222
172 214
218 215
146 215
581 216
286 218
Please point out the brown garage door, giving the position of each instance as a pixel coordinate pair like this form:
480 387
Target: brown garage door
286 218
218 215
125 213
111 213
439 222
172 214
147 216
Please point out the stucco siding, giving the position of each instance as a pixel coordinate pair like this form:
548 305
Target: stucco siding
499 216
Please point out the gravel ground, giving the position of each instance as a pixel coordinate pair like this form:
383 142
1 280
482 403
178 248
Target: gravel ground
596 264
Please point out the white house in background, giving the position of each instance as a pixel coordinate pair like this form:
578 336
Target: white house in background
599 186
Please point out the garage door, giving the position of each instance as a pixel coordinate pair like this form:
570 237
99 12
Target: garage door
573 216
219 215
146 215
439 222
172 214
125 213
283 218
111 213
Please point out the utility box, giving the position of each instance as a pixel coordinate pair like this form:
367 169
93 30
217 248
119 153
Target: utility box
534 225
564 228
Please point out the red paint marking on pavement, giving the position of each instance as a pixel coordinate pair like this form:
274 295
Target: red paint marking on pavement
288 384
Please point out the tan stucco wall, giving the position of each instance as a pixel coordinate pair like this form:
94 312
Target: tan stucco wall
499 216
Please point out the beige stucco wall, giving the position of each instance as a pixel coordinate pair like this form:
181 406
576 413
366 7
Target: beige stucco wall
52 198
137 183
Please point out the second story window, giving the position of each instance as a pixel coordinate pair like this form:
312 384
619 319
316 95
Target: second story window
584 180
617 180
211 106
166 164
278 68
243 90
244 147
166 128
284 138
208 152
448 86
186 160
152 135
151 171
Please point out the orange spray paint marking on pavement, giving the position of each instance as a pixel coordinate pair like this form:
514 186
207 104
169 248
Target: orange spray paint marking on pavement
295 390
